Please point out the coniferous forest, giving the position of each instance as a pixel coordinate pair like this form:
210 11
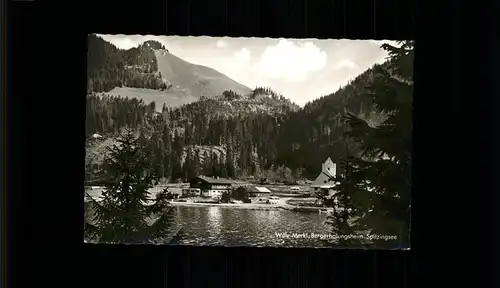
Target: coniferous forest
109 67
240 135
365 127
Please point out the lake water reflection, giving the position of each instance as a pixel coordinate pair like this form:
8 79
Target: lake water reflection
244 227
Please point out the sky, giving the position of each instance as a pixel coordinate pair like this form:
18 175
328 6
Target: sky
300 69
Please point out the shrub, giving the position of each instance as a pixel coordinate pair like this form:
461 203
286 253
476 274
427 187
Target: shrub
225 198
240 193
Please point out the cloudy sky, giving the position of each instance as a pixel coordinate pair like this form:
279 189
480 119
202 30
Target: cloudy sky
300 69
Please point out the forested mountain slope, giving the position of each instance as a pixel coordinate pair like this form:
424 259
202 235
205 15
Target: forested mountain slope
242 135
232 131
316 131
238 135
109 67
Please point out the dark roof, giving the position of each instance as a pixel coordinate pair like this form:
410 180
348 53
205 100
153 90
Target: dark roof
214 180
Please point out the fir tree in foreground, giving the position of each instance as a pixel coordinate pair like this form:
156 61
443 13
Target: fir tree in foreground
374 192
128 213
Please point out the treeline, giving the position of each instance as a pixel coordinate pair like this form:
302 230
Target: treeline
259 91
109 67
230 102
263 91
231 95
107 115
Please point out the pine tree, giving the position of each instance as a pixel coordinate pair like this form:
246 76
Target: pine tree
176 168
197 169
345 214
208 165
216 166
125 214
229 165
377 182
189 167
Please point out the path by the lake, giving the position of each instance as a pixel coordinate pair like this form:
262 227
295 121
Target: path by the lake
253 206
280 205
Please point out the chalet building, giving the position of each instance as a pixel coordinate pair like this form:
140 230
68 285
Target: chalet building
323 182
211 187
257 191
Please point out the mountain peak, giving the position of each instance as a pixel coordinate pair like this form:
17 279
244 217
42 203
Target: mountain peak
153 44
150 72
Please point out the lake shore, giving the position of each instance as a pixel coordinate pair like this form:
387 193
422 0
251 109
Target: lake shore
281 205
250 206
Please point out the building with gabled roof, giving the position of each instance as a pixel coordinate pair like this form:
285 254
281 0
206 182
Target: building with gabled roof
211 186
323 181
258 191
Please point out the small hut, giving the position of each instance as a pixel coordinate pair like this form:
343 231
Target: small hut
258 191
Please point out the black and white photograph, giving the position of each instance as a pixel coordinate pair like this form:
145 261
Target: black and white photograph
258 142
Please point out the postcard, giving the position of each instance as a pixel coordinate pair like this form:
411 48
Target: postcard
220 141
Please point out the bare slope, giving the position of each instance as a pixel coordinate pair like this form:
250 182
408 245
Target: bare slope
195 80
171 98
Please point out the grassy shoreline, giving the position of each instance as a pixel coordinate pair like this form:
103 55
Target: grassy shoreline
252 206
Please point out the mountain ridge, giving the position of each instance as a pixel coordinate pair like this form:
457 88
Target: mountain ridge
150 70
235 137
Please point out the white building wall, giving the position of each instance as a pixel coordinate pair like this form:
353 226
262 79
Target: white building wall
215 193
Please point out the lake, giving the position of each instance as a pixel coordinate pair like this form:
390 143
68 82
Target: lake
244 227
220 226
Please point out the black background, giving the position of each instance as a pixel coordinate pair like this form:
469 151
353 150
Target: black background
455 128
